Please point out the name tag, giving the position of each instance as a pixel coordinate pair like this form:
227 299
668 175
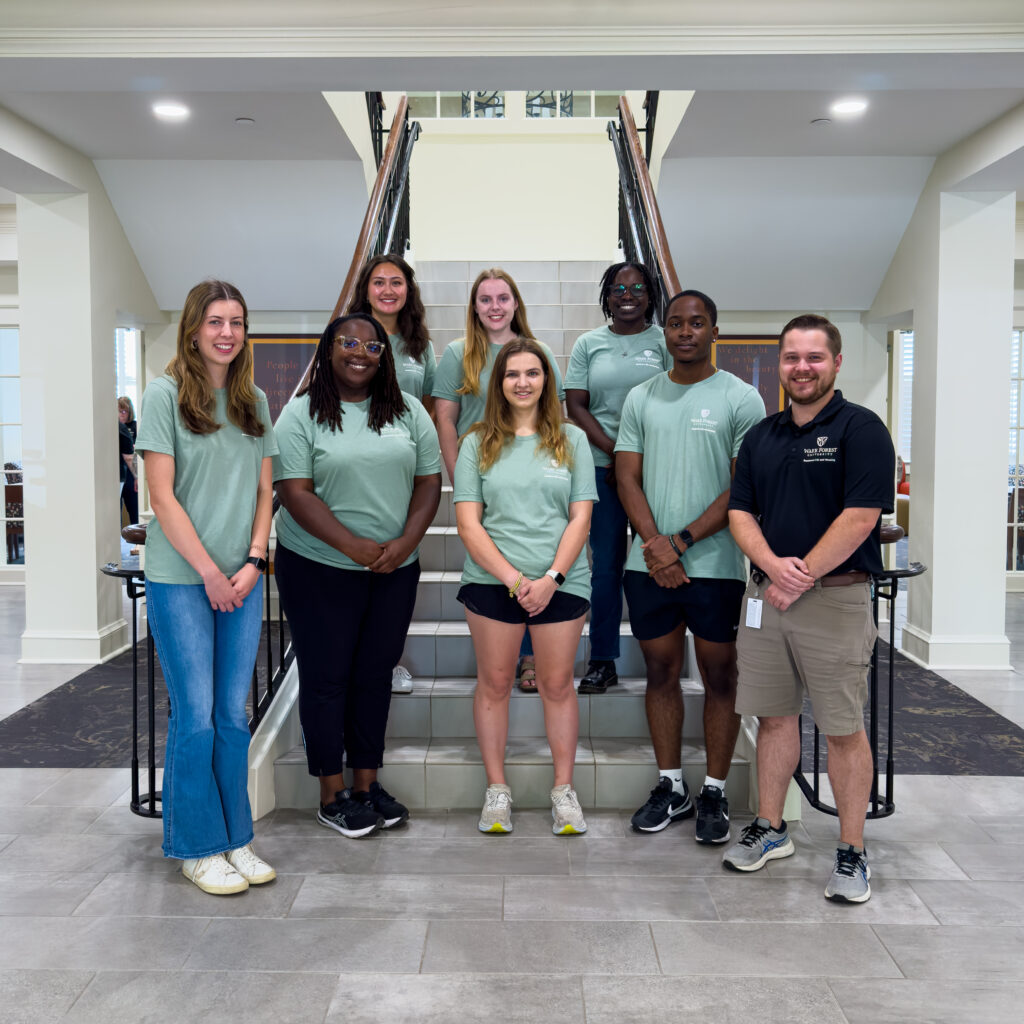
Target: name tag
753 613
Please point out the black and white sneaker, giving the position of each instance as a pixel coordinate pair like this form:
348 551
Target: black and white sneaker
663 806
350 817
385 805
712 816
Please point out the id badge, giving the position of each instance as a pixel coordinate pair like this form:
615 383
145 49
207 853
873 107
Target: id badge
754 612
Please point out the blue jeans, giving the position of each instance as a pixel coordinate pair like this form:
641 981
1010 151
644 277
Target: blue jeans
608 524
207 659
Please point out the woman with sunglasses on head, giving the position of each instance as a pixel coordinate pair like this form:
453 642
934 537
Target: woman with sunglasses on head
604 366
387 290
359 479
524 487
206 436
496 315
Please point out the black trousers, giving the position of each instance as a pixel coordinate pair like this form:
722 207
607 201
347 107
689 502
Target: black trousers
348 628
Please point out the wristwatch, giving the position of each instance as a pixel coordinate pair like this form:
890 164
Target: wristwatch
260 563
556 576
687 538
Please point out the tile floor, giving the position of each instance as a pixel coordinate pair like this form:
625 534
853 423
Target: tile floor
437 923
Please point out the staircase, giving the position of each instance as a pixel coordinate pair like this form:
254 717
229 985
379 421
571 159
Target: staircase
432 759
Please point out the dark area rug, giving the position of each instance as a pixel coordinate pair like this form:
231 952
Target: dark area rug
938 729
87 722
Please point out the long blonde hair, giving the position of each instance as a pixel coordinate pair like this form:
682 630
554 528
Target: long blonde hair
196 401
497 429
474 358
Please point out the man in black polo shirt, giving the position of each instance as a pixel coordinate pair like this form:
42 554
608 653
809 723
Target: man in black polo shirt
805 508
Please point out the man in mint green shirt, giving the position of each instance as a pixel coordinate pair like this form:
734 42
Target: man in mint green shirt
677 445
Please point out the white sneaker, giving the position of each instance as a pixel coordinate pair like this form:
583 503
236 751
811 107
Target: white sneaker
401 680
566 812
497 813
253 869
214 875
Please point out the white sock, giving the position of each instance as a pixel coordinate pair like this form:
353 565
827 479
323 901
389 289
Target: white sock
717 783
674 775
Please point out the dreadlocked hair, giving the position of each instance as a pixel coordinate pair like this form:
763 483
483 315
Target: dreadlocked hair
608 279
497 429
474 358
196 401
412 317
325 405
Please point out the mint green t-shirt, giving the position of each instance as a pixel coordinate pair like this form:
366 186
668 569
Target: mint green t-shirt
688 436
449 379
526 497
415 377
608 366
364 478
216 477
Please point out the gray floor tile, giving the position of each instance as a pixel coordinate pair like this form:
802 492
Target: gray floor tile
799 950
536 824
937 1002
795 900
888 860
541 947
466 999
709 1000
988 862
460 897
1001 828
119 820
97 787
22 785
85 853
39 996
6 840
973 903
321 852
177 997
315 946
902 828
138 895
672 852
608 898
991 794
973 954
45 895
482 855
98 943
32 820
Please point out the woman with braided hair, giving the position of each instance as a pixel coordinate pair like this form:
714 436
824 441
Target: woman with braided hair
359 479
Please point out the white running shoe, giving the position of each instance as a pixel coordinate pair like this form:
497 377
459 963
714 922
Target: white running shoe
253 869
566 812
401 680
214 875
497 813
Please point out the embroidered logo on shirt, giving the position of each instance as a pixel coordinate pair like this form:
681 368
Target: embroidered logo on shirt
704 422
647 358
821 453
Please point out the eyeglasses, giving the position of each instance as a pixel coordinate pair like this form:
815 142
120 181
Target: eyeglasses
621 289
373 348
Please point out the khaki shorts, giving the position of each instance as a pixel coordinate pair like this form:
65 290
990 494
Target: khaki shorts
820 645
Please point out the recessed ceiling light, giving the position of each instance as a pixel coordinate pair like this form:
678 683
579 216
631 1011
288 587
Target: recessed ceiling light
245 122
170 111
850 107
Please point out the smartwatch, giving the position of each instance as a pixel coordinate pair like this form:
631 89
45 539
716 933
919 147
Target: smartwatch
556 576
687 538
260 563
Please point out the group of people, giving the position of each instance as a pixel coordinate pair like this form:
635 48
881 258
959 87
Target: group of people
661 444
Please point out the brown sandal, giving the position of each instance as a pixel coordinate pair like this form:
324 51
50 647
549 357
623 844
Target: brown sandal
526 672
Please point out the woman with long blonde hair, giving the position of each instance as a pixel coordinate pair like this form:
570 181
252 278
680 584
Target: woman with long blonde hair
206 436
524 489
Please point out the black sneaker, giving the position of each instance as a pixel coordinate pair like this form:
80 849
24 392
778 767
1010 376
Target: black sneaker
350 817
664 805
712 816
600 675
384 804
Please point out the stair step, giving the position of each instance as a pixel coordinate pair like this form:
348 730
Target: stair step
614 773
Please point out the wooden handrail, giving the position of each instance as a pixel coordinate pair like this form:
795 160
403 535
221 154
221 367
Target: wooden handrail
373 208
657 229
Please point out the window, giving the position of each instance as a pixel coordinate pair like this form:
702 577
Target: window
906 345
10 448
540 103
127 341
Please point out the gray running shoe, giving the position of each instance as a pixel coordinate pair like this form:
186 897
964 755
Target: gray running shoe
496 815
566 812
758 844
849 881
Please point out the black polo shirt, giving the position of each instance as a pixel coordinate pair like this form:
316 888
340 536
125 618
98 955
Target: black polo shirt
796 480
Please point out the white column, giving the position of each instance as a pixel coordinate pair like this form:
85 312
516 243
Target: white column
962 322
72 523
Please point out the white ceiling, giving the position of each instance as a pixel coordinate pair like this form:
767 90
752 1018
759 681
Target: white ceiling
744 178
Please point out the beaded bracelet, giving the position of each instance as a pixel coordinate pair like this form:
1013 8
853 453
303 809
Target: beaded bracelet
675 546
515 586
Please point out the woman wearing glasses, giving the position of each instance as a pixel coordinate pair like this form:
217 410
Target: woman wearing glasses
359 478
605 365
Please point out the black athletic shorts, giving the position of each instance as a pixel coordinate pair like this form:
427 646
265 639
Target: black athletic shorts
492 601
710 608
